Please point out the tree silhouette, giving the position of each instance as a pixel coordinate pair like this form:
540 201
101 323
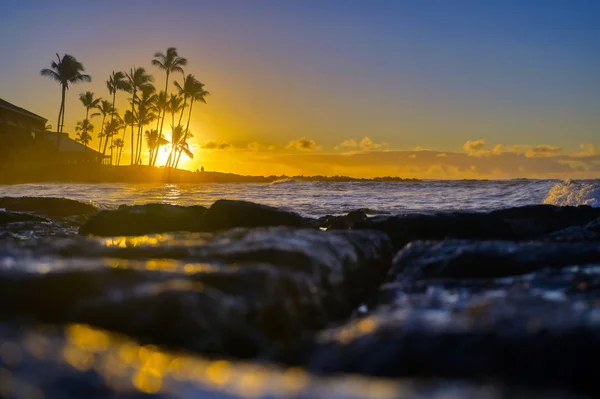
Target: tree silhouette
66 70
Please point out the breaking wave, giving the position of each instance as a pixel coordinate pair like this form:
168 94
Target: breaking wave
574 193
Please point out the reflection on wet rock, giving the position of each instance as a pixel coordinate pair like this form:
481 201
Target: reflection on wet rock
524 313
242 292
79 361
53 207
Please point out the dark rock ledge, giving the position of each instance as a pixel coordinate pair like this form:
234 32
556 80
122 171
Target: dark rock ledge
242 293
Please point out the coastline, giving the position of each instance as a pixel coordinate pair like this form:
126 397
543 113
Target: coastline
91 173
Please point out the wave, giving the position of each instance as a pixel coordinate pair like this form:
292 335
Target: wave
574 193
284 182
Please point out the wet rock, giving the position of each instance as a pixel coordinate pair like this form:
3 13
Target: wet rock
228 214
13 217
486 259
574 233
406 228
78 361
144 219
53 207
540 330
241 293
343 222
535 220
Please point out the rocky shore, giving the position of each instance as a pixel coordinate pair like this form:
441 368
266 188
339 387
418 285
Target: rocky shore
245 300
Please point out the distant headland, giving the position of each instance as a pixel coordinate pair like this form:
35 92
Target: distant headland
96 173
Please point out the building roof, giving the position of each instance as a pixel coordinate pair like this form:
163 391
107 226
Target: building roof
11 107
67 144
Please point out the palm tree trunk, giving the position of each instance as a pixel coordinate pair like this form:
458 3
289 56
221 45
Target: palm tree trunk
104 150
112 115
101 133
162 122
186 131
132 114
182 109
61 117
139 141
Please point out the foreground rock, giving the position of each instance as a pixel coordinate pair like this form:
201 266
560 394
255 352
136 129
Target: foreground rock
228 214
49 206
244 293
161 218
524 314
144 219
520 223
21 226
77 362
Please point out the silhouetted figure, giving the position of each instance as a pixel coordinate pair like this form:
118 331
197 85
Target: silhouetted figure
202 169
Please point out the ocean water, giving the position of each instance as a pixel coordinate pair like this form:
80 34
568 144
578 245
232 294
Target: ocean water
322 198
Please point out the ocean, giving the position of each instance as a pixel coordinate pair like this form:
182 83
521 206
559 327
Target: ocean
327 198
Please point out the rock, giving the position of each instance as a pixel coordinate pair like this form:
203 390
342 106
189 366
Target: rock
242 293
573 234
346 222
144 219
532 221
49 206
540 330
79 361
13 217
458 259
228 214
407 228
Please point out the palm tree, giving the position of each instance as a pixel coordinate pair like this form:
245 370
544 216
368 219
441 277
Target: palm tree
116 81
105 109
175 105
169 62
153 140
184 147
66 70
111 129
88 101
119 144
194 90
82 128
146 106
177 134
138 79
161 105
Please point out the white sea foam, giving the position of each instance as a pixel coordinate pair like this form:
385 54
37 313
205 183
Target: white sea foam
574 193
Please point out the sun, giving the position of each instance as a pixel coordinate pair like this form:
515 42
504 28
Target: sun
163 155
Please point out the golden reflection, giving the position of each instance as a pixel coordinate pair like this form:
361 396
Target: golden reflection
352 331
124 364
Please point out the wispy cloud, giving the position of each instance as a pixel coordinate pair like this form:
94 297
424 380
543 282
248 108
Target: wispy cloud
213 145
303 144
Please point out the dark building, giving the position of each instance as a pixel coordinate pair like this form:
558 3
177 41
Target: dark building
24 139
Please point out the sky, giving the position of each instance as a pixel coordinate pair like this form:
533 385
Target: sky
421 88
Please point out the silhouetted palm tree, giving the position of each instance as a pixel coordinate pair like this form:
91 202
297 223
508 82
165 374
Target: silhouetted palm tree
175 106
169 62
161 104
153 140
138 79
194 90
177 133
184 147
65 70
111 130
88 101
116 82
119 144
106 109
83 128
145 116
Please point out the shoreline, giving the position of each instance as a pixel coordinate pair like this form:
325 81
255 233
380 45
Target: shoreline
18 174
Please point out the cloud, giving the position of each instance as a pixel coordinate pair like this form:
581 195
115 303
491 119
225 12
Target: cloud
367 144
542 151
213 145
442 155
474 147
587 150
303 144
348 144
